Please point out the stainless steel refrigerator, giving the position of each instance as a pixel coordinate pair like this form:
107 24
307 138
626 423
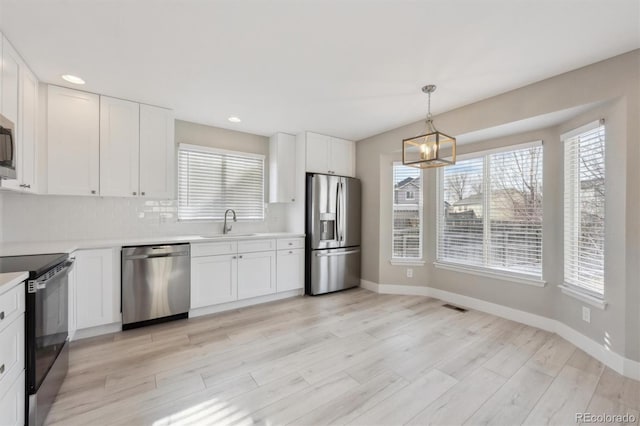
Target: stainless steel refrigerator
333 233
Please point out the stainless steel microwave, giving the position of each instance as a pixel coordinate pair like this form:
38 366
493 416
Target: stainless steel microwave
7 149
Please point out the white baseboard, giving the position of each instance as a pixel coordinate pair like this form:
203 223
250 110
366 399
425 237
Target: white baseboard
85 333
193 313
613 360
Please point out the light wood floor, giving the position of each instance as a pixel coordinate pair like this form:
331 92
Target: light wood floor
354 357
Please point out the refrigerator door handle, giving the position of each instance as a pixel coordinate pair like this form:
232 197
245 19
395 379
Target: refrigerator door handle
338 227
343 219
342 253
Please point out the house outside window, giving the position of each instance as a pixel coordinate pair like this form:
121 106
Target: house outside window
490 211
407 213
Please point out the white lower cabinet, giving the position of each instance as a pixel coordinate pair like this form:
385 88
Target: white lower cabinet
12 403
97 287
290 270
228 271
214 279
12 356
256 274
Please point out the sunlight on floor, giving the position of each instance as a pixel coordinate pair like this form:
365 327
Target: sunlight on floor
212 412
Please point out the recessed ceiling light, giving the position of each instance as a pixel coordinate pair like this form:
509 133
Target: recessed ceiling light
73 79
234 119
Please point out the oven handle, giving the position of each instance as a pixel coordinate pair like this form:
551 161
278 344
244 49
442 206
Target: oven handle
41 283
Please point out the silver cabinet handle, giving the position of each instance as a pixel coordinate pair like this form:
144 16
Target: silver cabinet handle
290 252
142 193
134 193
1 368
233 257
1 315
240 257
93 191
290 244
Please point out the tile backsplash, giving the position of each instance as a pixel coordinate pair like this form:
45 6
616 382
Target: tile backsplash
49 218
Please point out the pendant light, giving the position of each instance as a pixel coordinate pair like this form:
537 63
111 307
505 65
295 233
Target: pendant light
432 148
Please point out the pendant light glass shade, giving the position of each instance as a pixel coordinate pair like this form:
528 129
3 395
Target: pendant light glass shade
431 149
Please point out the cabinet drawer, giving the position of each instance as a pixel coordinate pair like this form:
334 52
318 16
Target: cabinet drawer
212 249
12 402
11 351
11 305
290 243
250 246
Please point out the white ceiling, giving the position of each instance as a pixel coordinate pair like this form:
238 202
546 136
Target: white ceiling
349 68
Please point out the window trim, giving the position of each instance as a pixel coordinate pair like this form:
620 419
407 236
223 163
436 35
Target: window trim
577 292
408 261
516 277
213 150
491 273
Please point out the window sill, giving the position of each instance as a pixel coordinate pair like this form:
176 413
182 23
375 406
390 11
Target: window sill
583 296
483 272
407 262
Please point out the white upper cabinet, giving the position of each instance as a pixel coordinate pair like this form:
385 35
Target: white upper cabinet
20 104
157 153
317 153
28 130
119 147
282 168
10 77
326 154
73 138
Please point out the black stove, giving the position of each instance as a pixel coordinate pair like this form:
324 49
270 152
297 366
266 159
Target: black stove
36 265
46 328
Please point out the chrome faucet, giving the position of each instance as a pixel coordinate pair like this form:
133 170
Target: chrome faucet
227 228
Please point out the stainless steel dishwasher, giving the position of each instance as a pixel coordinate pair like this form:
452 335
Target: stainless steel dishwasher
155 284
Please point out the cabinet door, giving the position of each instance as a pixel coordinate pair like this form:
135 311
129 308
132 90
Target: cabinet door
342 157
10 78
282 168
97 300
12 403
72 301
157 153
119 147
213 280
317 153
256 274
290 270
73 138
28 129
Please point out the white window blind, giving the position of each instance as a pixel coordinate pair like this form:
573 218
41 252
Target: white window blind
407 212
211 181
491 211
584 208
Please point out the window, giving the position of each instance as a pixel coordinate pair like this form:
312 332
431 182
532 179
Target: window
491 211
211 181
407 212
584 208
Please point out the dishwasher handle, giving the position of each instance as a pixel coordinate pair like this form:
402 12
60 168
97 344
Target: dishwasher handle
153 256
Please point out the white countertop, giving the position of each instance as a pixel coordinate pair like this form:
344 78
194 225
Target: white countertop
18 249
11 279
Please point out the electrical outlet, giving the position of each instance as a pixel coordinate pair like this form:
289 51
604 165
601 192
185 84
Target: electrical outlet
586 314
409 273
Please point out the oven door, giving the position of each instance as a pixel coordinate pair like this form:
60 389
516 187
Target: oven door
47 323
7 149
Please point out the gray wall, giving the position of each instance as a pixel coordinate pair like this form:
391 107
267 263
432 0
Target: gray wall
610 90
